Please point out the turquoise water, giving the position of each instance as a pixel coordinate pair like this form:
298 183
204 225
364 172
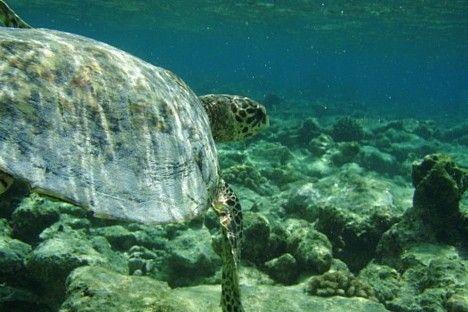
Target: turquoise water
389 55
354 198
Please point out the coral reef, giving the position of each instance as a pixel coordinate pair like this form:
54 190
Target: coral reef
435 215
347 129
339 283
338 218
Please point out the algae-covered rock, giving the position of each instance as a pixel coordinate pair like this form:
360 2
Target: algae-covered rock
345 152
311 248
246 175
119 237
52 260
318 146
431 275
36 213
20 300
257 233
101 290
13 254
372 158
283 269
5 229
301 201
435 215
458 302
347 129
191 258
353 209
439 185
339 283
384 280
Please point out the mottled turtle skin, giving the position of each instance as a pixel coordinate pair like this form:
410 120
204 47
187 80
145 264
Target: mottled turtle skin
234 117
87 123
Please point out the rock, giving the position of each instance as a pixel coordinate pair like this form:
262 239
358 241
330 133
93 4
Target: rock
308 130
13 254
320 145
345 152
101 290
458 302
119 237
257 234
384 280
98 289
354 209
66 224
439 185
283 269
373 159
272 153
430 276
142 261
454 134
435 215
5 229
312 250
248 176
347 129
339 283
191 258
52 260
300 135
36 213
20 300
426 129
301 201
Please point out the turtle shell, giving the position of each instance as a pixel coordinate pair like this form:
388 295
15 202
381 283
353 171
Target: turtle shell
88 123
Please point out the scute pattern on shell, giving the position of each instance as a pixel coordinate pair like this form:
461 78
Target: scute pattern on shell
88 123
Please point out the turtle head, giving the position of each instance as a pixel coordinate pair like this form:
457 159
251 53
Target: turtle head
234 117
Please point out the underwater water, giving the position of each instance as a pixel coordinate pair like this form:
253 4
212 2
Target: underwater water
353 198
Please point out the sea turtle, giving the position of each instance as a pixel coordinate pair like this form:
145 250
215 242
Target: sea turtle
90 124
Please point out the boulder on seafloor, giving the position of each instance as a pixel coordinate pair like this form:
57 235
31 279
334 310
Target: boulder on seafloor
439 186
384 280
191 258
36 212
283 269
289 249
347 129
20 300
299 135
13 255
353 208
100 290
97 289
345 152
374 159
53 259
339 283
436 215
257 233
5 229
428 277
312 249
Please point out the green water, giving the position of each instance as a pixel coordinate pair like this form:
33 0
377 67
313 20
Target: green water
349 201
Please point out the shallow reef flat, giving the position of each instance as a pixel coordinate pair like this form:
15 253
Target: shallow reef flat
341 214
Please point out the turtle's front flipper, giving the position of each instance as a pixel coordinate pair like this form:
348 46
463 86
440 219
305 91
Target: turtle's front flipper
9 18
6 181
228 208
